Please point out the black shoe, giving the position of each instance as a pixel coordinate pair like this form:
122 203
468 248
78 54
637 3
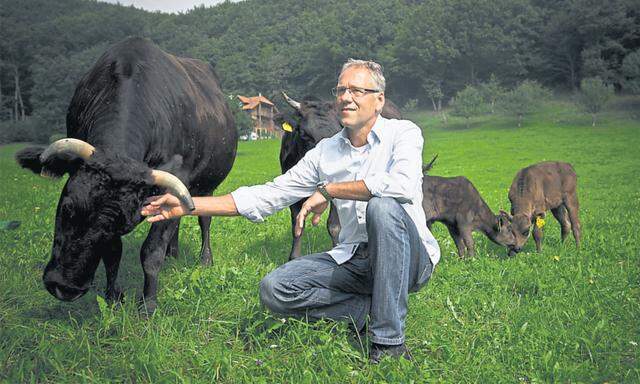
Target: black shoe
379 351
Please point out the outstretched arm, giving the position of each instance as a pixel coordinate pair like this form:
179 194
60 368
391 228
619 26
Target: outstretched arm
168 206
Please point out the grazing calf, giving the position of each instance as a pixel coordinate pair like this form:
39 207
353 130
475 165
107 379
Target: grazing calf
537 189
456 203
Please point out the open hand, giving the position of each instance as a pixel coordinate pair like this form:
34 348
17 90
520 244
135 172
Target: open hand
163 207
316 204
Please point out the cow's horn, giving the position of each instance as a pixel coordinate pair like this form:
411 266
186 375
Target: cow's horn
291 102
68 145
173 185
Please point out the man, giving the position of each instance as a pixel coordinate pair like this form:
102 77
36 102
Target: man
372 169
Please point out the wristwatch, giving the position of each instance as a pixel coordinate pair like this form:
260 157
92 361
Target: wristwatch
323 190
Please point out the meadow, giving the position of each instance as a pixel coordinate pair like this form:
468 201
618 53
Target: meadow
562 315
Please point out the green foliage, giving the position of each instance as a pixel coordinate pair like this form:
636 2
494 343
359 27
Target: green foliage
491 91
244 125
524 99
55 81
468 102
562 315
30 130
594 95
631 72
410 105
428 48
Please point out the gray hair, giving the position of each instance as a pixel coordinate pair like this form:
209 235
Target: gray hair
374 68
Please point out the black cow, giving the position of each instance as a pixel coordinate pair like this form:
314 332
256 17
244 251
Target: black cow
138 109
313 120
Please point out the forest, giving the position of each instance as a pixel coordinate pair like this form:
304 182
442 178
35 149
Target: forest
430 50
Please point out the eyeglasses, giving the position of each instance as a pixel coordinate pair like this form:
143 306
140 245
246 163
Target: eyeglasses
354 91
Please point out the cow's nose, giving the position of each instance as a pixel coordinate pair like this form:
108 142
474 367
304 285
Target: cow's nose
63 292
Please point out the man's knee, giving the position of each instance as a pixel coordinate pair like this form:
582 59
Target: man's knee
272 292
381 209
267 292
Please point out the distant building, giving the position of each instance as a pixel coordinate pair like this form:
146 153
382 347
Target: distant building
261 110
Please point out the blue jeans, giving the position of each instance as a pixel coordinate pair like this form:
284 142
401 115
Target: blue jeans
375 282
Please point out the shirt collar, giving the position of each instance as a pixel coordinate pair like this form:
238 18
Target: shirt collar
375 135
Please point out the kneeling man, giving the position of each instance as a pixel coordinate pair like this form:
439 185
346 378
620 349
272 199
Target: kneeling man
372 171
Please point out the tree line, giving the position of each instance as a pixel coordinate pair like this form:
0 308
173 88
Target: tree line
430 49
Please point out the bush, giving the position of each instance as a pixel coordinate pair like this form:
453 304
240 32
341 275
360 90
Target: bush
468 102
631 72
524 99
56 136
593 96
410 105
491 91
244 125
32 130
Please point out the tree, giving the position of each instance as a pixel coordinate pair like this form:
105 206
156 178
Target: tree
582 38
468 103
525 98
244 125
594 95
434 92
491 91
55 80
631 72
423 49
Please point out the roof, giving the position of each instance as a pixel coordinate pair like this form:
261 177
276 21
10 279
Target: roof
253 101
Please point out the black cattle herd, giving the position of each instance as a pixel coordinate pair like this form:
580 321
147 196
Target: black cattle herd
143 121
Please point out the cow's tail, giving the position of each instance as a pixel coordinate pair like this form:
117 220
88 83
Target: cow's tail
427 167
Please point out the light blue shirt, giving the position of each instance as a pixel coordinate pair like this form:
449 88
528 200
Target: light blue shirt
390 164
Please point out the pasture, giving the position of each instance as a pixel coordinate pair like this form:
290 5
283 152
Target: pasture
563 315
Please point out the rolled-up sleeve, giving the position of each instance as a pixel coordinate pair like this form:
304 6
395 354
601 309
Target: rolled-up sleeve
404 172
259 201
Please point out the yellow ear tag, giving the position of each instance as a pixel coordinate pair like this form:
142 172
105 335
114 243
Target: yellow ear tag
287 127
539 222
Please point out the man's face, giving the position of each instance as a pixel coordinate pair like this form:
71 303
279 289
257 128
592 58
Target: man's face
355 111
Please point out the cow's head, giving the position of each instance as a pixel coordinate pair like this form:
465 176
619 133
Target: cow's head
100 202
504 230
521 228
314 119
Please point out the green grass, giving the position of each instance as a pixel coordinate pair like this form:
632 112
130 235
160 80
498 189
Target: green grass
562 315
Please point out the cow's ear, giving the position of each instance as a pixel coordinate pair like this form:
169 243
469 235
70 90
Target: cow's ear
55 166
29 158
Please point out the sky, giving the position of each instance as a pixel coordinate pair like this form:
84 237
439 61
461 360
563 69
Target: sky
167 6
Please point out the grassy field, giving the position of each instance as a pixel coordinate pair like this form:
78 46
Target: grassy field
559 316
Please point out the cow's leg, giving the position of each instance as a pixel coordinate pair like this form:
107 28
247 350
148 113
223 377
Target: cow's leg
561 214
111 254
296 244
152 256
468 240
457 239
205 249
173 249
572 205
537 236
333 224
